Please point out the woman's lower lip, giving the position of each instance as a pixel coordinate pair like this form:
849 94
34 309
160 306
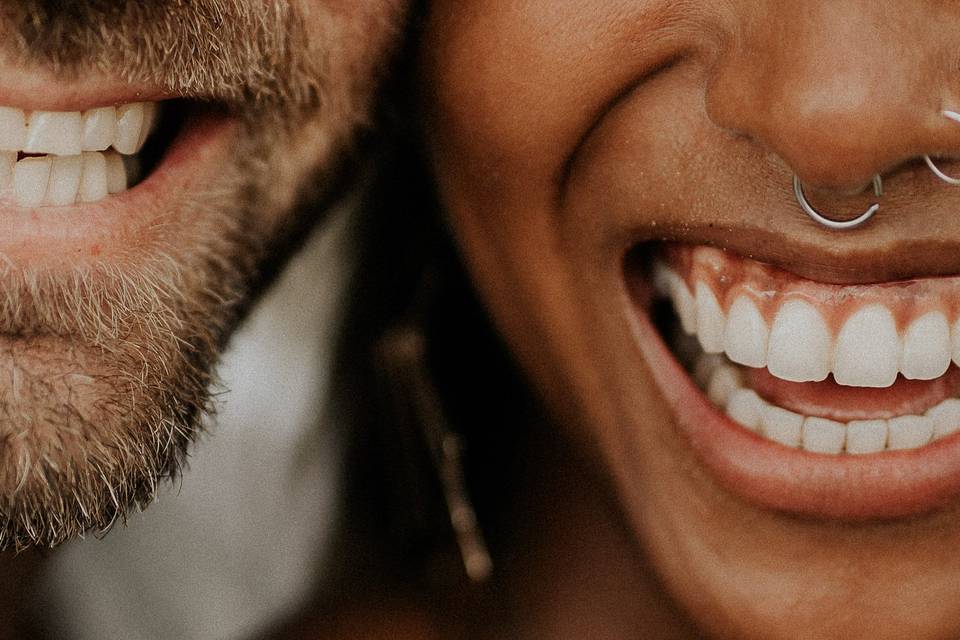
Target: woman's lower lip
886 485
883 485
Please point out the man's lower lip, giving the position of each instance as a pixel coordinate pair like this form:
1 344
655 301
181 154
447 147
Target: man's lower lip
886 485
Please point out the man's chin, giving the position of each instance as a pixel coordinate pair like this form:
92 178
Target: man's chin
102 387
107 353
105 371
87 432
113 310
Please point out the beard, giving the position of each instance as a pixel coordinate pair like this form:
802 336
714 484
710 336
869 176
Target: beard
105 374
106 366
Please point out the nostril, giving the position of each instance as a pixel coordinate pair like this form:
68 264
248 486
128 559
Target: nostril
833 117
837 150
839 153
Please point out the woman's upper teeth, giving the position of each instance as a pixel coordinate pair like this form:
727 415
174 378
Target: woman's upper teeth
801 331
82 162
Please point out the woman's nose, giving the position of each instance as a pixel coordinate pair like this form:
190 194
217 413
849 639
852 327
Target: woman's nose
841 90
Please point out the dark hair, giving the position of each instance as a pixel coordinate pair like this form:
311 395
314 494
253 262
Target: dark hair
412 306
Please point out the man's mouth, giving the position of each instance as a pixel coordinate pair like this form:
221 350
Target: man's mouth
825 399
92 175
60 158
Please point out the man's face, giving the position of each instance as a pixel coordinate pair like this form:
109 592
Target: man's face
580 145
129 250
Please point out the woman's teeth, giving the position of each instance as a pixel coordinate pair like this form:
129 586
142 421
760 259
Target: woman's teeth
71 156
726 388
754 332
864 335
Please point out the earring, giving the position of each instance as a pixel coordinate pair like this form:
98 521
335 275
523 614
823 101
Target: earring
829 222
403 350
952 115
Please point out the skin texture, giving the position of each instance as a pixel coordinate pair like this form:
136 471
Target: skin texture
563 135
108 342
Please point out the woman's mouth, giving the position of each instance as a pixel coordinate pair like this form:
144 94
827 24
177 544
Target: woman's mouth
827 400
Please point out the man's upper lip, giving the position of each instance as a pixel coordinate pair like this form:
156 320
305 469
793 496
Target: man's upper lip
43 92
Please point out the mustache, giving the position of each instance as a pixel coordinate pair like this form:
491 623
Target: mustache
247 54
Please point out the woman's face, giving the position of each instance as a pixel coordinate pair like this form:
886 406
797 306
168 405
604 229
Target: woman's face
590 152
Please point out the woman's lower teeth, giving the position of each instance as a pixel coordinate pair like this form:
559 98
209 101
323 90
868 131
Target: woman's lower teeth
724 383
865 337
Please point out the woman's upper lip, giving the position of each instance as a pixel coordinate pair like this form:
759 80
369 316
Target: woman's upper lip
833 257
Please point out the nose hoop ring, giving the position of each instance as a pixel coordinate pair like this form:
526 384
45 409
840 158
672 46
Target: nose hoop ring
837 224
952 115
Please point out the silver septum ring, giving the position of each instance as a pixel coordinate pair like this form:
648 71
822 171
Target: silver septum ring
952 115
837 224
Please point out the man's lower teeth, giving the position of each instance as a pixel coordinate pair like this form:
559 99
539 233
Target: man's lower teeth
63 180
64 158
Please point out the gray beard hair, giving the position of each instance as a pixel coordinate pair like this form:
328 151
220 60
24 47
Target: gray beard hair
132 353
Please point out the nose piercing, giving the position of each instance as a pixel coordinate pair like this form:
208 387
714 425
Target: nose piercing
837 224
952 115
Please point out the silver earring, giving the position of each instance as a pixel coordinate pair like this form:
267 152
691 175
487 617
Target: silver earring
952 115
837 224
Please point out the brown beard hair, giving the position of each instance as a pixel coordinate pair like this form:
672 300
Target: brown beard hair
133 353
253 55
107 371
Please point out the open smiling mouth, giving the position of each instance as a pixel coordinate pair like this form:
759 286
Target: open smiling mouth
836 401
61 158
91 181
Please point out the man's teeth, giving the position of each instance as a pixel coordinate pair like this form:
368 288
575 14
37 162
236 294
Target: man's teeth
81 161
67 133
725 388
62 180
797 344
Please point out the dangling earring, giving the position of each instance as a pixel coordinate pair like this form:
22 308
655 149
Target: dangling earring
404 351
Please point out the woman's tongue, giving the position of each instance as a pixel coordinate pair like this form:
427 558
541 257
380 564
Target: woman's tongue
827 399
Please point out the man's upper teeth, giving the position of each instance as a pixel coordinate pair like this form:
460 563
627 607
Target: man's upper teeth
796 342
68 133
82 162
